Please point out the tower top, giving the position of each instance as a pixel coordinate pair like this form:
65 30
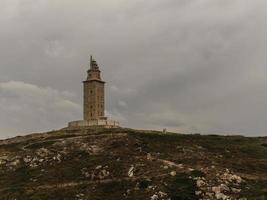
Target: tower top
93 63
94 74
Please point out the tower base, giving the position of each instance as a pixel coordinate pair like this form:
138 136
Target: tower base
98 122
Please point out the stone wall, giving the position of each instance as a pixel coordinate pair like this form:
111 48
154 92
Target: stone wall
94 100
99 122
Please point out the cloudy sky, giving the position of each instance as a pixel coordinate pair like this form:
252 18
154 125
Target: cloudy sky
186 65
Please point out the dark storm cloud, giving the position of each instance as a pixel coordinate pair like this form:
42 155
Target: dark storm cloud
188 65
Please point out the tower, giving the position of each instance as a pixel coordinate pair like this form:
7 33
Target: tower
94 94
93 101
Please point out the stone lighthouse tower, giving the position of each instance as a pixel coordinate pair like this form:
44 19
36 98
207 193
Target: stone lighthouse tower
94 100
94 94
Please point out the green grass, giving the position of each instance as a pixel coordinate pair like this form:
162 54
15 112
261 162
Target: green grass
39 145
181 187
250 147
255 190
254 150
240 154
143 184
15 182
14 147
197 173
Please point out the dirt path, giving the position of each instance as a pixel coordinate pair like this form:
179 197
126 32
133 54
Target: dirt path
24 148
74 184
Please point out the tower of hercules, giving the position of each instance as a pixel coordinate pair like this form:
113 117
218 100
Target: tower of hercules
94 101
94 94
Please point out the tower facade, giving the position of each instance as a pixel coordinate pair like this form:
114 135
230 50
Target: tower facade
94 94
93 101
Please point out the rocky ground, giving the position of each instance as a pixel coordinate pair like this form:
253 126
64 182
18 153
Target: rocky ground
115 164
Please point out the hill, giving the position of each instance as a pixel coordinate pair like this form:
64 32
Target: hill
115 164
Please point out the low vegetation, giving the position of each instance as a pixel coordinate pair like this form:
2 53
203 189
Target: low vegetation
129 164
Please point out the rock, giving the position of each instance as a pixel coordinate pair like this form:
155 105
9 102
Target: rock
4 157
162 194
43 152
58 158
209 194
154 197
79 195
228 177
139 149
173 173
86 173
180 166
131 171
221 196
95 149
216 189
149 157
200 183
98 167
236 178
224 187
92 175
103 174
14 162
27 159
2 162
171 164
236 190
159 196
150 187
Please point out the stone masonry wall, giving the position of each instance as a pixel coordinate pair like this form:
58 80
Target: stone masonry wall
94 100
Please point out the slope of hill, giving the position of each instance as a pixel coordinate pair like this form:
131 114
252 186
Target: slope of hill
101 164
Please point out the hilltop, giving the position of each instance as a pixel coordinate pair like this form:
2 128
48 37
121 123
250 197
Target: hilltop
114 164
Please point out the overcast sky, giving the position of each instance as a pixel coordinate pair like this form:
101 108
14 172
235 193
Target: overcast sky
186 65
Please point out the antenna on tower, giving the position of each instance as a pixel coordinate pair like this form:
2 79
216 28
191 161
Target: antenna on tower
91 60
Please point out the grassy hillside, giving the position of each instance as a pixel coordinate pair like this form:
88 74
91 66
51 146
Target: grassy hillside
98 164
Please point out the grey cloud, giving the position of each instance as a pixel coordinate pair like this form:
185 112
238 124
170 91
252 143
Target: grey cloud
188 65
26 107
